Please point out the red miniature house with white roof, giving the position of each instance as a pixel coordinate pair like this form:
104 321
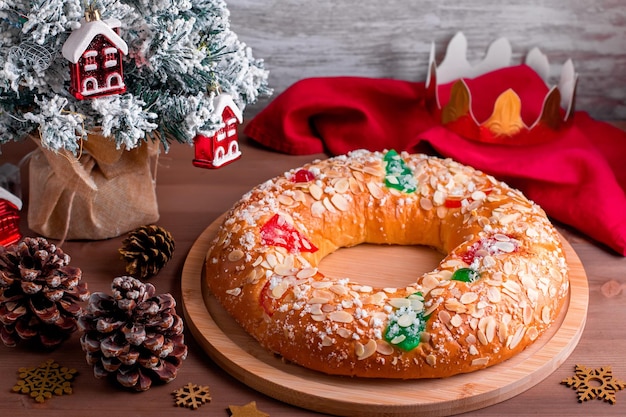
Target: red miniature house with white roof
220 147
10 205
95 53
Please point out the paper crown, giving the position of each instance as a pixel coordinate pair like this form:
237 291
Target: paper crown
506 122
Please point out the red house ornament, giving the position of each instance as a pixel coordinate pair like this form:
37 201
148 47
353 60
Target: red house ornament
10 205
95 53
220 147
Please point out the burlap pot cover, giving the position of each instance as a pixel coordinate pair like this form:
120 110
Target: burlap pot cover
103 193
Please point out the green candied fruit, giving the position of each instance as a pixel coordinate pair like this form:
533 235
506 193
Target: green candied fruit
406 324
465 275
397 174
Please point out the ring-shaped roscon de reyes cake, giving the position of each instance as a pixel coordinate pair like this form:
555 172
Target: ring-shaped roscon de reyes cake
500 285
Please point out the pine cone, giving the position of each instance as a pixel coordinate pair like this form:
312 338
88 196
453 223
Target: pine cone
146 250
39 292
133 335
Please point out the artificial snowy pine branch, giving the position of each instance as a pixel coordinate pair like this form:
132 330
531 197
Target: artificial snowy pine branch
124 118
179 52
58 128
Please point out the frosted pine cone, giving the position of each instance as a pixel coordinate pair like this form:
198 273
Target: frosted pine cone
39 293
133 335
146 250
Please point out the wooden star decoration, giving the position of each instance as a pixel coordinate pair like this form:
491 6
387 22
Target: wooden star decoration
43 381
248 410
192 396
595 383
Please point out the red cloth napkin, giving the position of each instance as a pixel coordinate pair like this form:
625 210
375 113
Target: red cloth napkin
577 177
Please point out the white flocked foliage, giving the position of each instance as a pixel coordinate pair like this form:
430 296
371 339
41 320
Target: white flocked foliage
181 53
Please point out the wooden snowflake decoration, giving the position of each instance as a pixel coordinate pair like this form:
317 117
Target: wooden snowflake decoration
47 379
595 383
248 410
192 396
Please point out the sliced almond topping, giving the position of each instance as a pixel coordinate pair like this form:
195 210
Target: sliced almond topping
493 294
327 308
517 337
271 260
320 284
342 186
341 316
282 269
355 186
444 317
546 313
371 170
509 218
506 247
328 205
503 333
251 277
316 191
318 317
376 299
456 320
323 294
406 320
343 332
468 297
532 333
280 289
365 351
358 176
235 255
339 289
431 360
528 314
439 197
482 337
234 291
399 302
480 362
340 202
383 347
317 209
490 329
307 273
417 304
327 341
429 282
298 195
285 200
375 190
398 339
316 309
512 286
478 195
455 305
426 204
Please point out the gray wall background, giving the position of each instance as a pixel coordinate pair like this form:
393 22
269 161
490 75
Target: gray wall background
391 38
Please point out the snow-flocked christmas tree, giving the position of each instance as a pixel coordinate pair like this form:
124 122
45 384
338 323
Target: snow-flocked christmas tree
180 55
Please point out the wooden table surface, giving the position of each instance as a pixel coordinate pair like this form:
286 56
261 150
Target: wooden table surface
190 199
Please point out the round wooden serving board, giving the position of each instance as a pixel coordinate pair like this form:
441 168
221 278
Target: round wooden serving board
241 356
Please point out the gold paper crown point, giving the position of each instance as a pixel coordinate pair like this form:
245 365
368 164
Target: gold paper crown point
505 122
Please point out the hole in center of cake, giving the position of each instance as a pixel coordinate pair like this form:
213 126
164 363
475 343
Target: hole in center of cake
381 265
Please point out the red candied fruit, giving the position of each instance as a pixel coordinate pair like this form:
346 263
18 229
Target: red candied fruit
303 175
278 232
